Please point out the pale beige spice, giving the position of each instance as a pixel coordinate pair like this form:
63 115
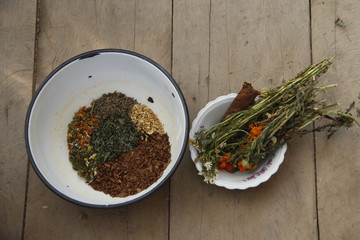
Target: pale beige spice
146 120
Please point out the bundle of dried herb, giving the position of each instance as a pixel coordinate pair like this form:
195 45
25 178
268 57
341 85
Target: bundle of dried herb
245 138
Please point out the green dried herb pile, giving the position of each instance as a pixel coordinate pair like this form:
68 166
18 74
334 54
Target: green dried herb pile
112 104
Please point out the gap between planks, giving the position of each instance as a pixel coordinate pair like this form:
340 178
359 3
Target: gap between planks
35 46
313 126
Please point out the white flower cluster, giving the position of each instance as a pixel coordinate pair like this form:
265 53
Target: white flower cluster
208 166
207 178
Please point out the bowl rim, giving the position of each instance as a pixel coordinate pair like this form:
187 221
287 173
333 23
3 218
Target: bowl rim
90 54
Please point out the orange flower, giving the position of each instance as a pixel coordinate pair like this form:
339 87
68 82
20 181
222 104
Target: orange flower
229 167
226 157
255 131
222 165
243 169
223 161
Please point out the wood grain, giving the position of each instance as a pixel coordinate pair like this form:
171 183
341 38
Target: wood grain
191 71
211 48
68 28
262 43
338 158
17 33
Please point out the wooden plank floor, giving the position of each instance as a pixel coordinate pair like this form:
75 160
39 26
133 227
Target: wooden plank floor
211 48
17 35
338 183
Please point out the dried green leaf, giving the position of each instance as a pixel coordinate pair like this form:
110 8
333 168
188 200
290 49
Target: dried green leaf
339 22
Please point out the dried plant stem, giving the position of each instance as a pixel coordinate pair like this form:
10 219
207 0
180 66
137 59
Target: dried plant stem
281 113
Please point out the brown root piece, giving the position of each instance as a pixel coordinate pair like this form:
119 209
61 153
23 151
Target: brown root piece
243 100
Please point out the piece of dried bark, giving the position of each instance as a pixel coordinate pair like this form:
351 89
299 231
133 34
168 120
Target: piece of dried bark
243 100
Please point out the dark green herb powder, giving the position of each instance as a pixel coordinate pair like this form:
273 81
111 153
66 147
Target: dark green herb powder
115 135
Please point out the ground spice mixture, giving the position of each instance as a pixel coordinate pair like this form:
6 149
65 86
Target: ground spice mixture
118 145
81 153
134 171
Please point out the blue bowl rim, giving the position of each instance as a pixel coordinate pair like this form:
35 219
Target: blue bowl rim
89 54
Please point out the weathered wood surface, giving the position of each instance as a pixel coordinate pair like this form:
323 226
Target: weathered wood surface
217 46
68 28
211 48
338 159
17 33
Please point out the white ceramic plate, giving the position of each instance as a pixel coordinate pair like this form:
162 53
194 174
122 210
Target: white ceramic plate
210 115
76 83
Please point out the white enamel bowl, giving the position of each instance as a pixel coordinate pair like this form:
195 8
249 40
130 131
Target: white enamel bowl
209 116
76 83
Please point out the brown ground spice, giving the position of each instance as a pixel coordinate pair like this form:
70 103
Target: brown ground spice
134 171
